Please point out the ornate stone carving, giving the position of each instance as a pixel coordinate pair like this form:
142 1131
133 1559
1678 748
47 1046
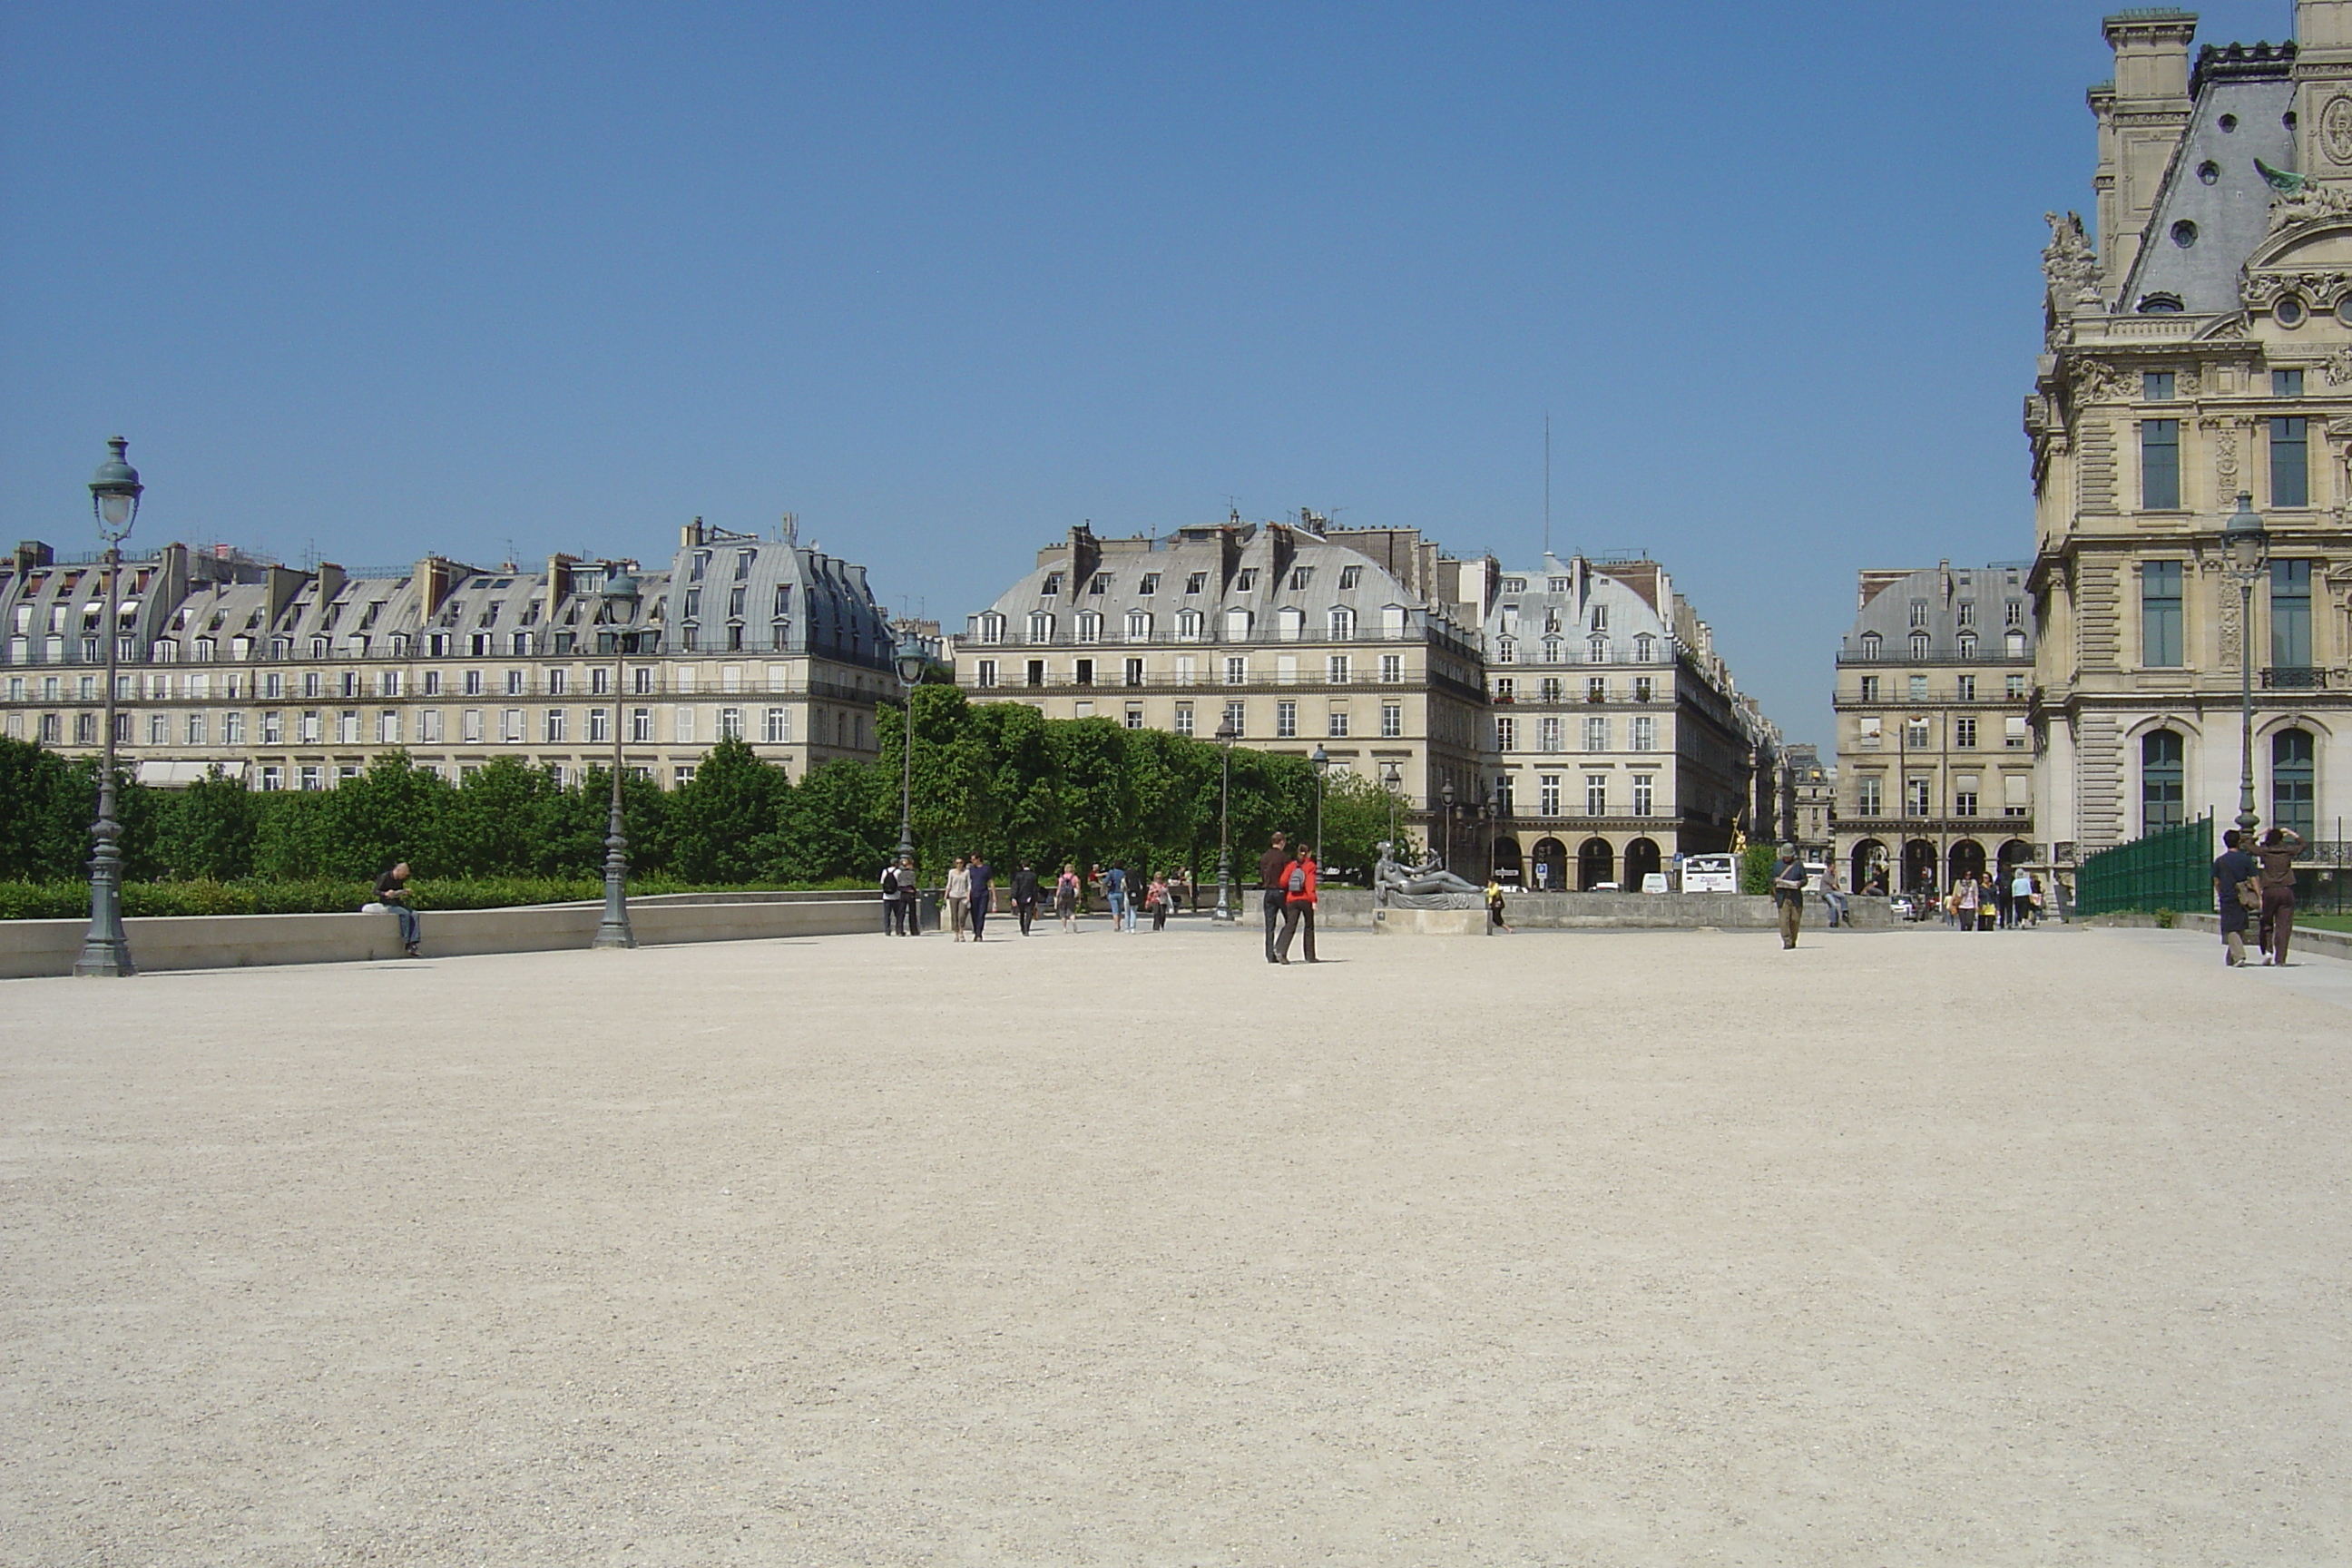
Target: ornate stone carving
2338 368
2225 457
2069 267
2097 381
2336 128
2229 596
2310 203
2317 288
2190 382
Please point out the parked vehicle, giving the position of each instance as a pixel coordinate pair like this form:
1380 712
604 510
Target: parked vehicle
1710 874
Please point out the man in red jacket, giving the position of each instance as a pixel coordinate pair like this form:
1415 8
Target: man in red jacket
1297 903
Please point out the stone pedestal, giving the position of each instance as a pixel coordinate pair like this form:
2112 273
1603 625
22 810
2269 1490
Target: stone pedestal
1429 922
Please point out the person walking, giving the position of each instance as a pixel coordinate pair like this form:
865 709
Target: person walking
1970 894
2020 899
1024 895
892 922
1788 894
392 893
1495 905
1270 867
1113 881
1298 904
958 896
2237 894
980 891
1065 897
1134 896
2279 847
1157 898
910 890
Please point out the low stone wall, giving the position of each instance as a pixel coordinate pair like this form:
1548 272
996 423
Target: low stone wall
226 942
2306 939
1350 909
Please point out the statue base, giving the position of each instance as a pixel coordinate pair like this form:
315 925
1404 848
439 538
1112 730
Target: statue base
1434 901
1396 921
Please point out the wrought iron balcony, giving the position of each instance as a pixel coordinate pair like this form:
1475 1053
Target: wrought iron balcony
2295 678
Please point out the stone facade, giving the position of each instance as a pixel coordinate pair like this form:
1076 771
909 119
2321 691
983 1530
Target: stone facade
1578 714
1617 740
1936 762
291 679
2204 350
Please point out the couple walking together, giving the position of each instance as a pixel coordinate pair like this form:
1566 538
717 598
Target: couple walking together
1287 878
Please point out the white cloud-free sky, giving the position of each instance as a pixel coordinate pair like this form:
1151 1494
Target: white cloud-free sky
370 279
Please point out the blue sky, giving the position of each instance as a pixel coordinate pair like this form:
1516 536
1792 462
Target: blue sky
373 280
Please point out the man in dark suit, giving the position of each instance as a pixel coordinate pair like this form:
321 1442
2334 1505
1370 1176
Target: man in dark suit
1270 867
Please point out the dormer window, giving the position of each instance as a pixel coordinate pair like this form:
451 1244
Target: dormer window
742 564
1298 577
1599 618
1150 585
1101 583
1053 586
2167 305
1350 576
1246 580
1196 581
698 565
1515 584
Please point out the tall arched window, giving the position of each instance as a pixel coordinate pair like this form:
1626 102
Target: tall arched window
2293 780
2162 776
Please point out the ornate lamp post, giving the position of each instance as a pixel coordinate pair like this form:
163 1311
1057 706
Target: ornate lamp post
620 590
2246 547
1391 776
1322 761
1227 736
911 661
1445 794
115 492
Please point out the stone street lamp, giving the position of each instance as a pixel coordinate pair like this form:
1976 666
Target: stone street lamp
115 492
1322 761
2246 549
911 661
620 594
1227 736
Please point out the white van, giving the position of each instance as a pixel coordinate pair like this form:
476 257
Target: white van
1710 874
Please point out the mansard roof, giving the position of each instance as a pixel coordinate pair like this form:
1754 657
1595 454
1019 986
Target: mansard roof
2214 207
1929 600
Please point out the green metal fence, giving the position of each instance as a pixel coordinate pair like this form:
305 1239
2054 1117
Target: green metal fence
2172 869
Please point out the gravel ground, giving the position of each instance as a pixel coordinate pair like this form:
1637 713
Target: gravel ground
1571 1249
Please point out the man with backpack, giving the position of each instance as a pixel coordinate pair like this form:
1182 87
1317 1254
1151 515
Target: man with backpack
1298 904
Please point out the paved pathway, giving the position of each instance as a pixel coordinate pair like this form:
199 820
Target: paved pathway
1659 1248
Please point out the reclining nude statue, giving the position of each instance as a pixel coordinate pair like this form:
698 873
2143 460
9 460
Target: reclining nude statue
1423 887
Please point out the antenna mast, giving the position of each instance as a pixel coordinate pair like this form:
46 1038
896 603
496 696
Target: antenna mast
1547 483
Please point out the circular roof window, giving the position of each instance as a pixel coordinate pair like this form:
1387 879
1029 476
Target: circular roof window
2288 312
2209 170
2159 304
2229 122
2184 233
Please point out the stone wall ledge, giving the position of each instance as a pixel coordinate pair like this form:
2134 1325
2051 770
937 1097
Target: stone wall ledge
30 948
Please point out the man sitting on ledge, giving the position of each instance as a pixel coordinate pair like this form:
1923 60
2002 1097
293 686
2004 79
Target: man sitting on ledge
391 891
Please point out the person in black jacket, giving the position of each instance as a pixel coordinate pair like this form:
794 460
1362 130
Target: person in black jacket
1024 895
1270 867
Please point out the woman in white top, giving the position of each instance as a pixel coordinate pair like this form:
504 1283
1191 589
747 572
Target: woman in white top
959 897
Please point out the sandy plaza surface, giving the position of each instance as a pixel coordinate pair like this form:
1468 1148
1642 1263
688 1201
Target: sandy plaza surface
1560 1249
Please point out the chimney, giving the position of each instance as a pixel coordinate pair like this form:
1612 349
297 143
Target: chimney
2146 112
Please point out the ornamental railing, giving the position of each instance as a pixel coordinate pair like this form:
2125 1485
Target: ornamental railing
2295 678
2172 869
